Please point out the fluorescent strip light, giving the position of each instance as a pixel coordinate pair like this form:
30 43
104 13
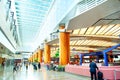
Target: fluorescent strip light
71 42
91 43
88 41
90 29
96 29
83 30
96 42
74 42
81 42
76 31
31 12
30 18
24 21
77 42
110 31
107 29
115 30
27 3
37 1
30 15
102 29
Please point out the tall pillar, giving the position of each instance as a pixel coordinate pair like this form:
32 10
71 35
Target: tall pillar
40 53
81 59
36 56
64 45
105 59
29 59
47 54
33 57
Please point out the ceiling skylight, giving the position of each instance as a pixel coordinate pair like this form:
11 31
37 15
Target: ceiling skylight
31 14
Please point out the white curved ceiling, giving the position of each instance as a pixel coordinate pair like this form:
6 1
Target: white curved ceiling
30 16
36 19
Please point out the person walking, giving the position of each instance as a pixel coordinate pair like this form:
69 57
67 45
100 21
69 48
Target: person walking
15 67
93 68
3 64
39 65
48 67
26 65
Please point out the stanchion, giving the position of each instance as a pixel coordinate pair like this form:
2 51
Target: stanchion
115 74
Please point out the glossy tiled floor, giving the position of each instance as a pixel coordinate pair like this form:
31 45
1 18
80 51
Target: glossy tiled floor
42 74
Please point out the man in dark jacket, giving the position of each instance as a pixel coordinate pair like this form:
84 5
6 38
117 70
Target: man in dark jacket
93 68
39 65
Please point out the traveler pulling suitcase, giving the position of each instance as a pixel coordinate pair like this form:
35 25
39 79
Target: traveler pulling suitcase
35 67
100 75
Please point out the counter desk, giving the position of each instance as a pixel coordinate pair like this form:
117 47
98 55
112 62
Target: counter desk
109 72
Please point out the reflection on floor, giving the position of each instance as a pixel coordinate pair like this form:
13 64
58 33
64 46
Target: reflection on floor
42 74
5 72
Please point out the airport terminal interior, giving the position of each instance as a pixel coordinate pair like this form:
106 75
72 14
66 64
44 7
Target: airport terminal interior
57 39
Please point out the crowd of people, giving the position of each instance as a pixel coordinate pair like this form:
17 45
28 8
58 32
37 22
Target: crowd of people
17 66
94 70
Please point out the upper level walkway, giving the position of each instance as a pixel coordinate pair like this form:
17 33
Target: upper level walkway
42 74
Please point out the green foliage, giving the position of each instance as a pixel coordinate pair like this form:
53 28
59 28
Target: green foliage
61 68
36 60
57 54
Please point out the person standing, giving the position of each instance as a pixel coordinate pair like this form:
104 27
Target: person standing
93 68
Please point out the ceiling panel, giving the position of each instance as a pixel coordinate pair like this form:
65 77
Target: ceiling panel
31 14
100 32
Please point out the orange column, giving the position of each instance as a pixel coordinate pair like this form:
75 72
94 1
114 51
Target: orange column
34 57
64 48
30 59
40 53
47 54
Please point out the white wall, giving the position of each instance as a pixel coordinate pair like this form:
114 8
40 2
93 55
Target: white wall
5 26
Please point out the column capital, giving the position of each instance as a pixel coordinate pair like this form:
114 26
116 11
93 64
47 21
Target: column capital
62 27
62 24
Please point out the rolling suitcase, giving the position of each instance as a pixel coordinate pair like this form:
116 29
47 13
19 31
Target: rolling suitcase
100 75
